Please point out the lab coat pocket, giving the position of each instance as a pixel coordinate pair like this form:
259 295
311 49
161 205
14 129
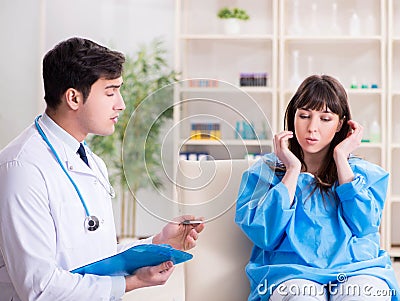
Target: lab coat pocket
71 229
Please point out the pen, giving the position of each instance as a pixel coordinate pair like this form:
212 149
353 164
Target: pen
191 222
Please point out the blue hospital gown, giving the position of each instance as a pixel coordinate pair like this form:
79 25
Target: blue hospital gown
314 239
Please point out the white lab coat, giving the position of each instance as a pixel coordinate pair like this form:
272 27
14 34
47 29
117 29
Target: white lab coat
42 233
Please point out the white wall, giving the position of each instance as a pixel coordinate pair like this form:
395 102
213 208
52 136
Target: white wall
119 24
19 66
31 28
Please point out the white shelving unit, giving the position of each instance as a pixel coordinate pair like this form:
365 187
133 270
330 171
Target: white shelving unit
291 39
351 46
204 51
393 126
353 57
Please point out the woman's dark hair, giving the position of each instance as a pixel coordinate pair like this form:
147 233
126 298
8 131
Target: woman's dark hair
77 63
320 92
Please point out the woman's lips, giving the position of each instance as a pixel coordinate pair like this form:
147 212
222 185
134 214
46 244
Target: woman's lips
311 141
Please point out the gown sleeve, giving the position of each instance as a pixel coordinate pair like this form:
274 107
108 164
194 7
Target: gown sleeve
263 208
362 200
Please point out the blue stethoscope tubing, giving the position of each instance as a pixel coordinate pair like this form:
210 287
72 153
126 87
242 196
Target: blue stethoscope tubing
60 163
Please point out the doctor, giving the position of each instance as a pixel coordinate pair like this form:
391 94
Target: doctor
55 201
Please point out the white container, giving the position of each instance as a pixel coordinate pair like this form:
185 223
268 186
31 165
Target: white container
231 26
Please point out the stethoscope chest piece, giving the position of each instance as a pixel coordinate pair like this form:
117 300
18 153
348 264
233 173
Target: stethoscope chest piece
92 223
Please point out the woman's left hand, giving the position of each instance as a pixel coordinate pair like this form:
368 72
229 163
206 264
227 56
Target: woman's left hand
352 141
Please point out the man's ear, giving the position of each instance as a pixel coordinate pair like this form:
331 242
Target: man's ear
73 97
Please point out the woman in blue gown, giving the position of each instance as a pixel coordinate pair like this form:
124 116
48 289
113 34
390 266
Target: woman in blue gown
313 210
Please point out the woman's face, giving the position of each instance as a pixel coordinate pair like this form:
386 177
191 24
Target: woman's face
315 130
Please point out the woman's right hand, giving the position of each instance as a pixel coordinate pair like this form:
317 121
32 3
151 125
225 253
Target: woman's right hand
282 150
291 162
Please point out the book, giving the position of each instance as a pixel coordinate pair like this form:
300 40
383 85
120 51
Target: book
128 261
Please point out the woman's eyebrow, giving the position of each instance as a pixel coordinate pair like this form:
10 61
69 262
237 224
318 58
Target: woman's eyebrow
322 111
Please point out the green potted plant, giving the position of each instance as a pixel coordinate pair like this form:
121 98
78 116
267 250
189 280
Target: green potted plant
144 73
232 18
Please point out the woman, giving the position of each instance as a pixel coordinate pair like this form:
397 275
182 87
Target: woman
312 210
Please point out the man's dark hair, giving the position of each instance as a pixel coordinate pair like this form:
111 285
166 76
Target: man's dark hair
77 63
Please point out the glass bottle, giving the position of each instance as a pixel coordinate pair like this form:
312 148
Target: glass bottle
370 25
375 131
310 65
295 28
335 28
314 26
355 26
295 79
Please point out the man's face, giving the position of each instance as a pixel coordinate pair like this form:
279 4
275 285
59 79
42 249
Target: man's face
100 112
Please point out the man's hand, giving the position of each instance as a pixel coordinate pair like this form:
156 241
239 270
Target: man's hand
149 276
179 235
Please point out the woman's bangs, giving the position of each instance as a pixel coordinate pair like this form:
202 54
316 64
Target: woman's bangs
320 100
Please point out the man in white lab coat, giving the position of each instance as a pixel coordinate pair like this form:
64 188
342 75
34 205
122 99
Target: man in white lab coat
55 204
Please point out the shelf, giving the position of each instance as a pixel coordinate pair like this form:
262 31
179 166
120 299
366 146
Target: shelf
261 37
230 142
333 39
395 198
351 92
394 251
364 91
255 142
370 145
227 90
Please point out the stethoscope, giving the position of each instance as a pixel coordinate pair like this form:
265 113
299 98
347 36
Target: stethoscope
91 221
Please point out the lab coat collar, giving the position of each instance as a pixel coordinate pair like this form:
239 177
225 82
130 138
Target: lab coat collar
66 146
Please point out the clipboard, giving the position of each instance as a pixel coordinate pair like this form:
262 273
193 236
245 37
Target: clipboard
128 261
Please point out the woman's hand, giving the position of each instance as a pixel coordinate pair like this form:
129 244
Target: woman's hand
343 150
283 153
353 140
179 235
291 162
